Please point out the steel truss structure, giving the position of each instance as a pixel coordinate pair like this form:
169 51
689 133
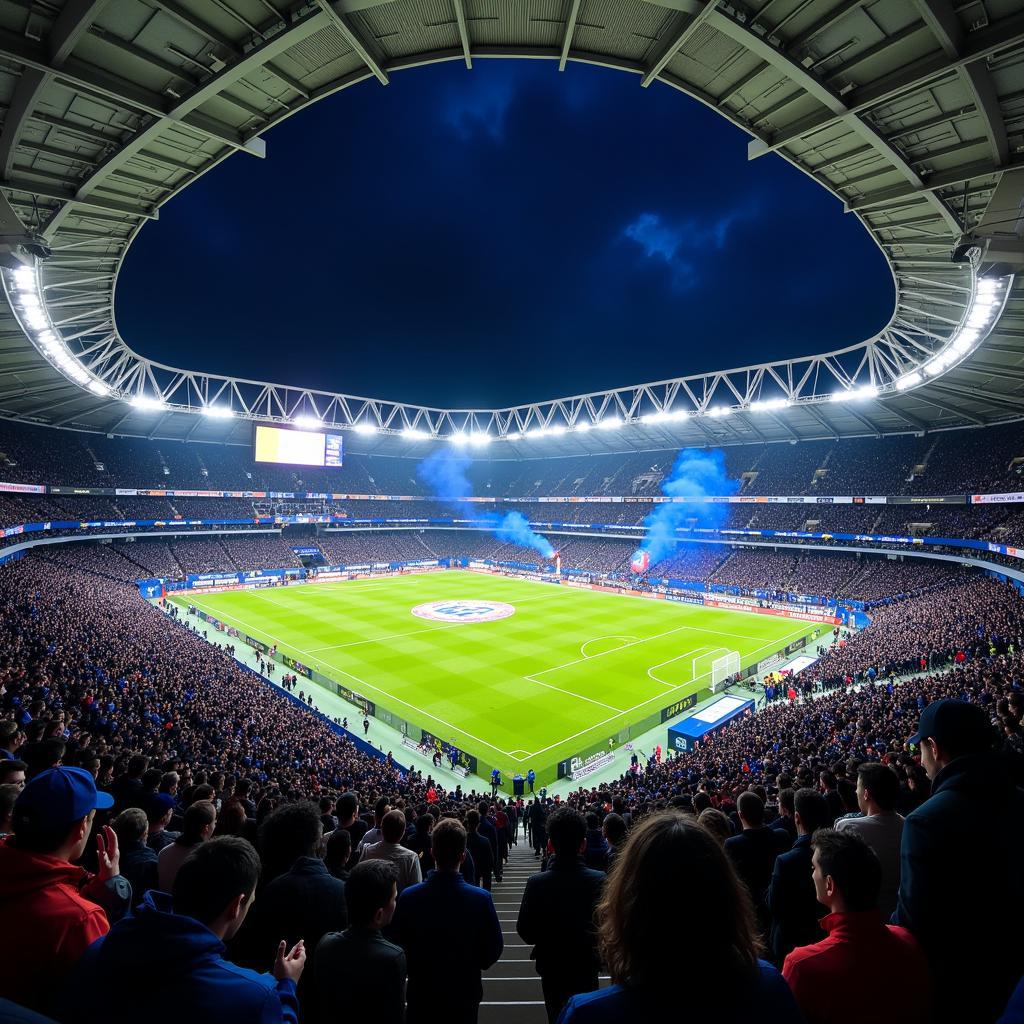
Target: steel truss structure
911 112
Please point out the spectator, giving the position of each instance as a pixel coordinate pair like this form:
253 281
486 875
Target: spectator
865 969
716 823
754 850
407 864
159 808
299 904
52 907
791 901
489 831
12 772
557 914
450 931
671 871
596 853
8 796
358 968
614 830
175 950
830 790
138 861
974 808
374 835
480 849
200 821
878 789
337 852
11 739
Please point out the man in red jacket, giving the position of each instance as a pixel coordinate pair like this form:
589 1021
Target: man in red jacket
44 895
864 969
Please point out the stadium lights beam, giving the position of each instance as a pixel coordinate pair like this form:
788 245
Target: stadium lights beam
362 427
147 404
608 423
460 437
479 438
908 380
582 427
218 412
855 394
769 404
308 422
97 387
515 436
412 434
720 410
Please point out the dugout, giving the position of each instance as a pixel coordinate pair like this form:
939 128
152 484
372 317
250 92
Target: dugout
687 734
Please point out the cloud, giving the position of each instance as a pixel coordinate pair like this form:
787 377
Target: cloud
680 245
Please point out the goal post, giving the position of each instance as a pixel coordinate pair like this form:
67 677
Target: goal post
719 666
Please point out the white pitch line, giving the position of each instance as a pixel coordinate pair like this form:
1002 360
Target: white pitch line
572 693
609 636
381 639
679 657
657 696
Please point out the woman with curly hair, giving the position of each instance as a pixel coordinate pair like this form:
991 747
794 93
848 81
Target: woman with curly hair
679 937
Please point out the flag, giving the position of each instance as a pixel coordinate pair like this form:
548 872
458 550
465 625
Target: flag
558 564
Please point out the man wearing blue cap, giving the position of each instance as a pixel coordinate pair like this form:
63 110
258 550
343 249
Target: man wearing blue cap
55 902
961 864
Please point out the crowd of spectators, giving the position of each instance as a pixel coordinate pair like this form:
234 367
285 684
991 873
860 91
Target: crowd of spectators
154 763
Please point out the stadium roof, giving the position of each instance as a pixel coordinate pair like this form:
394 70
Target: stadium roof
909 111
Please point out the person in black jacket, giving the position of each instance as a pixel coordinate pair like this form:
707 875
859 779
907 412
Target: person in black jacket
557 914
303 901
961 865
794 908
138 861
358 971
483 859
753 852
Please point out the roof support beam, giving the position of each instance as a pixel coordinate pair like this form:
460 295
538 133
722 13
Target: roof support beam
333 9
460 20
1001 35
681 30
570 31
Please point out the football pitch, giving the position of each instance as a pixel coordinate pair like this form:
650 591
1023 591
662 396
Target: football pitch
561 673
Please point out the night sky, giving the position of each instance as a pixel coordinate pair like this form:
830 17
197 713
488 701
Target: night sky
498 236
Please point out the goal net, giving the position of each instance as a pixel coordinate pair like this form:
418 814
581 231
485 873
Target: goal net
719 666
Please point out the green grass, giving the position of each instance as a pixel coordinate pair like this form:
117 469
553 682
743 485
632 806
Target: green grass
568 670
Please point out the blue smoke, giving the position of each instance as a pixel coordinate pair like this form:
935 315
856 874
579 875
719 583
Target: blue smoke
444 473
695 475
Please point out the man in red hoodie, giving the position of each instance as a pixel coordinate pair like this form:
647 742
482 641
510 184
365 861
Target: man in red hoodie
53 901
865 969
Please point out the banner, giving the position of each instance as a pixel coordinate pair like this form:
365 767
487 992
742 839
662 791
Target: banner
23 488
1009 498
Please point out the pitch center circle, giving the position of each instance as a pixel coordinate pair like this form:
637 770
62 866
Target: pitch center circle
464 611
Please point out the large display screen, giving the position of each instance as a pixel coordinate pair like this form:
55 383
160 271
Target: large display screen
298 447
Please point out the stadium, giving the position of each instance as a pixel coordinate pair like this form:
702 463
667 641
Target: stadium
702 692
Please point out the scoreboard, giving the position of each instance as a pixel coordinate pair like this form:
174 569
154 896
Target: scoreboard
298 447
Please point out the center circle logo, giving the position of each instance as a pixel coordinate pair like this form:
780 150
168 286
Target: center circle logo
464 611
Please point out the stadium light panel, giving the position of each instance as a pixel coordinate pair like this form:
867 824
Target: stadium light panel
720 410
147 404
854 394
608 423
97 387
460 437
535 432
25 278
221 412
908 380
514 436
769 404
308 422
583 426
479 438
362 427
412 434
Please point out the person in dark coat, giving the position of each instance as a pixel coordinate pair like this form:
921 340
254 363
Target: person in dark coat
538 832
596 852
138 861
450 933
489 831
794 908
483 859
358 969
302 903
961 865
753 852
557 915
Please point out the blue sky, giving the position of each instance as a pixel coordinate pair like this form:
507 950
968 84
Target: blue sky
498 236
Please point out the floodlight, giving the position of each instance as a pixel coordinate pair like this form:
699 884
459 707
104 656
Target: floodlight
222 412
460 437
412 434
362 427
608 423
479 437
853 394
514 437
308 422
583 426
908 380
97 387
147 404
720 410
25 278
769 404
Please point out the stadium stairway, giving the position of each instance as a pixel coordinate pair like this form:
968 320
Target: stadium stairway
512 992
